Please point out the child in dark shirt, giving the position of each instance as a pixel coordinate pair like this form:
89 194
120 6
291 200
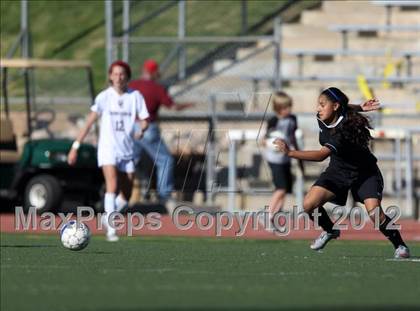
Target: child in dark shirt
282 125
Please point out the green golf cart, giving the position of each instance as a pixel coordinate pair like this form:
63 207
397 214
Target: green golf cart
34 171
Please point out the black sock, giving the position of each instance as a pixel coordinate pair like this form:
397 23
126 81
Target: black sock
392 234
323 220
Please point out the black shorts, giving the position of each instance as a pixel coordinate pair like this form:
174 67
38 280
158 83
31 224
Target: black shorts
282 176
364 185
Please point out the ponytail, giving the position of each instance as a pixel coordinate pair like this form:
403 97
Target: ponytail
355 128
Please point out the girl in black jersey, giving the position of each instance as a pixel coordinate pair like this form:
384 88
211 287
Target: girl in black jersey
344 136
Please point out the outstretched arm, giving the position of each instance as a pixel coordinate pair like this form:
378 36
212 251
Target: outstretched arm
179 107
369 105
310 155
72 155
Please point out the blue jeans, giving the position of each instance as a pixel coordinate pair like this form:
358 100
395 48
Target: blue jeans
153 144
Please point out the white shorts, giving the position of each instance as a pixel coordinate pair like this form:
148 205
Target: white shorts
122 165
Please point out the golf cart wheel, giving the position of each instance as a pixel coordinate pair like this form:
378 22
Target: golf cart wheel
44 193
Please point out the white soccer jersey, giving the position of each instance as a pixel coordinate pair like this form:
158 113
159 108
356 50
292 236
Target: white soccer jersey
118 116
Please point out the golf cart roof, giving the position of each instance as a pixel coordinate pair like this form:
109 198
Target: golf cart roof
41 63
30 64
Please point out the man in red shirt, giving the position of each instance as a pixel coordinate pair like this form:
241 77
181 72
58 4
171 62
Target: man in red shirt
152 143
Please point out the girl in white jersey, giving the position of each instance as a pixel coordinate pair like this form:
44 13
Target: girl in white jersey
119 109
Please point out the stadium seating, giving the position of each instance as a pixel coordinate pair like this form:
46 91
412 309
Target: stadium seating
312 59
313 42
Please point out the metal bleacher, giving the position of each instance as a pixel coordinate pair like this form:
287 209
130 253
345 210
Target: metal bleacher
370 30
313 57
330 54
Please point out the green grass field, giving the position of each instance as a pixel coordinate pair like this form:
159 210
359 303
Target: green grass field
196 273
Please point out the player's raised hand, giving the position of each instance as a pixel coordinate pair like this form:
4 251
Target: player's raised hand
281 145
370 105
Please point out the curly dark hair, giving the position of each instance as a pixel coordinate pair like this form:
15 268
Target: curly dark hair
355 127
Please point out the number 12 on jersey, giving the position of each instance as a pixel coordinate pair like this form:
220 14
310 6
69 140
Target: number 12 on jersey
119 125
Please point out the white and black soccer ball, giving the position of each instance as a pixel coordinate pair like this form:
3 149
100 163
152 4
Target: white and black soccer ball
272 138
75 235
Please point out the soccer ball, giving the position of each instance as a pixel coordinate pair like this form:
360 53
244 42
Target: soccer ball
272 138
75 235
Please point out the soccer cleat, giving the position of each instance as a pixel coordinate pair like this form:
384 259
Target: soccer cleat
324 238
112 237
402 252
170 206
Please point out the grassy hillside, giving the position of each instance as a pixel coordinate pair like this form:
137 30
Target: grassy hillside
76 30
53 23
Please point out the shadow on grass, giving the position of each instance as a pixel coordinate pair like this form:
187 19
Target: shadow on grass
26 246
96 253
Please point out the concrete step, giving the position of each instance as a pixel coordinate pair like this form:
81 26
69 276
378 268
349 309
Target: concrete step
311 43
269 55
227 86
400 43
305 98
343 65
352 67
302 30
226 89
221 64
313 33
405 18
347 7
325 19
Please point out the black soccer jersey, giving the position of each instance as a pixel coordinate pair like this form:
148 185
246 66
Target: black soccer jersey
345 155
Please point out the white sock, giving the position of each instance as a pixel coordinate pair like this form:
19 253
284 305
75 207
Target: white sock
120 203
109 208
